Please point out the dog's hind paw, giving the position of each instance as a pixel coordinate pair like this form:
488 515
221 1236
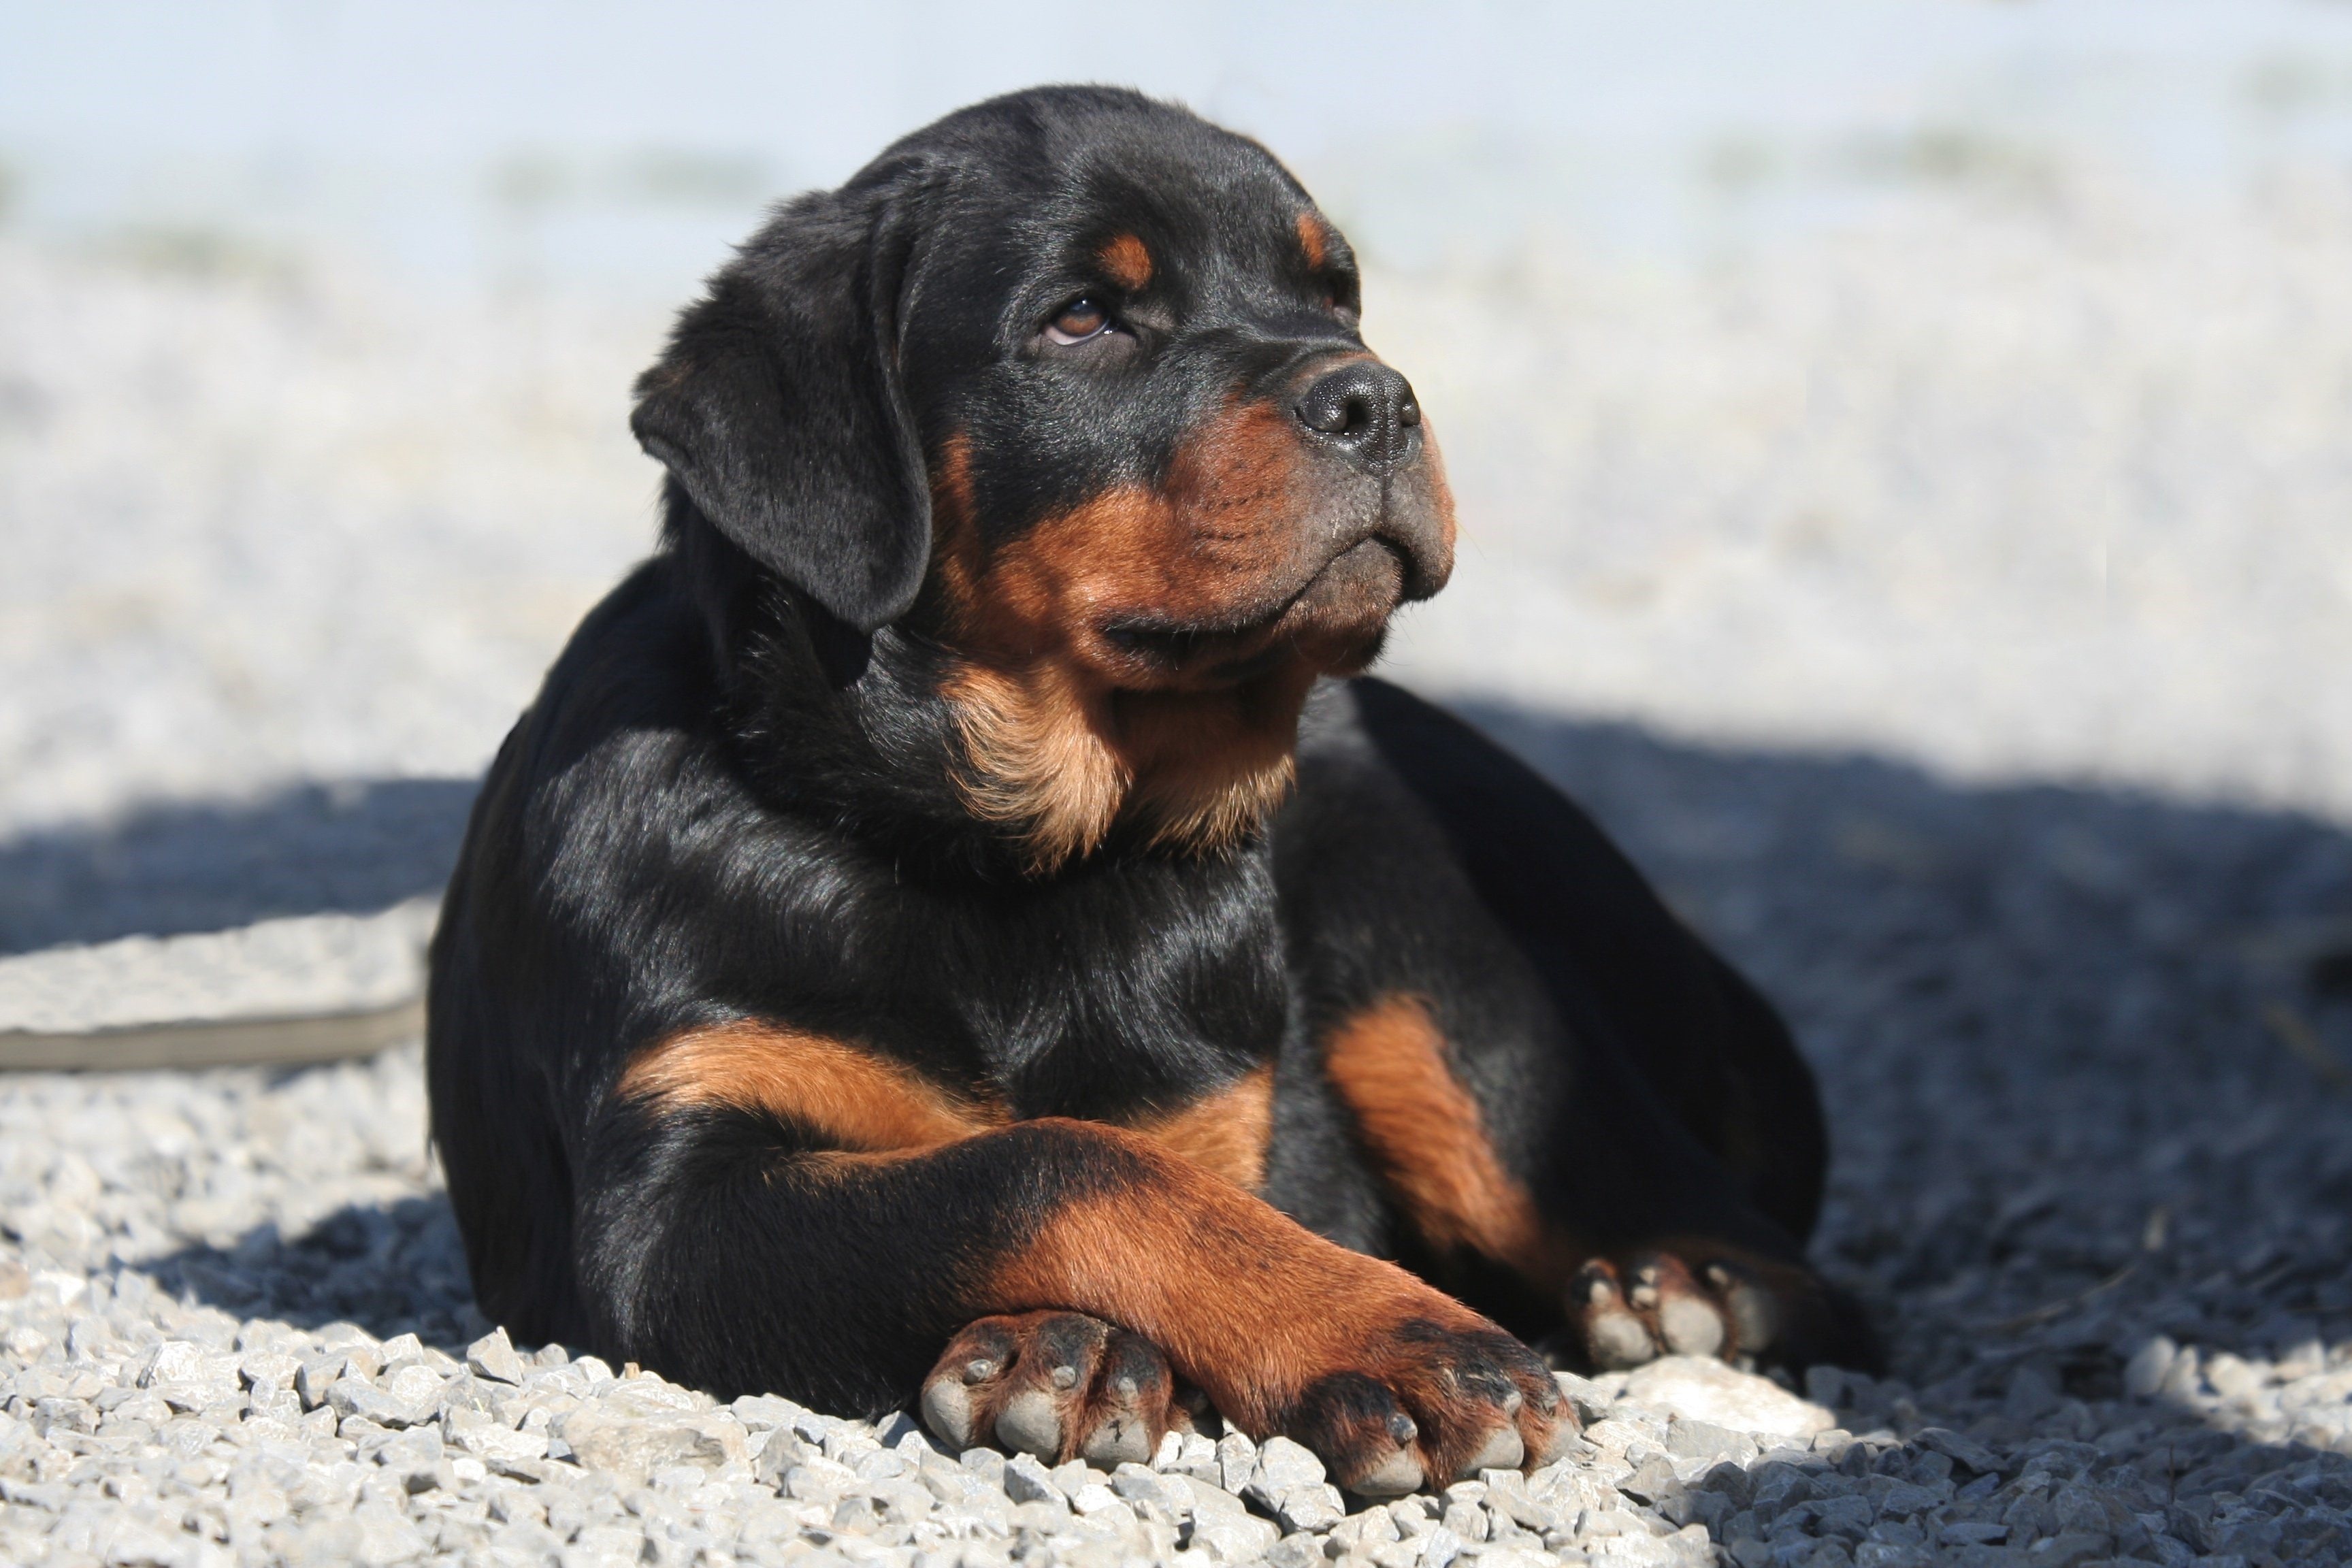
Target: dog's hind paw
1626 1311
1060 1385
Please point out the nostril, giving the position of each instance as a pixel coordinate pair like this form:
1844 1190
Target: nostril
1333 411
1366 408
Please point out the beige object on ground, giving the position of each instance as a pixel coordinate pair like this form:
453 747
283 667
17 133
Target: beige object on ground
1700 1389
308 988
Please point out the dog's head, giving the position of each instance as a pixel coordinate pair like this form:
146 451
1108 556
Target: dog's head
1068 388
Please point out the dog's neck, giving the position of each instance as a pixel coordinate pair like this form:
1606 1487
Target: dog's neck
901 738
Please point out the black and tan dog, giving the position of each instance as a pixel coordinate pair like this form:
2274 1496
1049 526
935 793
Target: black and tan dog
948 929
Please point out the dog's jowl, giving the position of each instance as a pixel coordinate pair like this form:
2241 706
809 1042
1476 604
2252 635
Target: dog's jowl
957 928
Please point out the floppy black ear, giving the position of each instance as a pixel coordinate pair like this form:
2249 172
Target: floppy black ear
777 408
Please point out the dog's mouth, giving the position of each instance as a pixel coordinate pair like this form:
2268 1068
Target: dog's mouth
1335 622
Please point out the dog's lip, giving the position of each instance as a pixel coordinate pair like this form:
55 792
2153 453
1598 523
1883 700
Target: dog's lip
1231 651
1216 651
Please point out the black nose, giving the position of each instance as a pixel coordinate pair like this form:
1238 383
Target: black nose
1366 409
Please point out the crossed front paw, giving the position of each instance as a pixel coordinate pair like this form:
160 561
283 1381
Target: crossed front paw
1417 1401
1427 1402
1060 1385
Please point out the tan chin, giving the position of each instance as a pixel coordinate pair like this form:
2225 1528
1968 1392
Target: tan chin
1063 763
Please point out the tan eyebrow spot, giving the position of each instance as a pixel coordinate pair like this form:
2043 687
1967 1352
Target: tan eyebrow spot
1314 239
1128 261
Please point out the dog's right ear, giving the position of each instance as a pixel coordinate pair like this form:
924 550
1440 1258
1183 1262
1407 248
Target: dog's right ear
778 408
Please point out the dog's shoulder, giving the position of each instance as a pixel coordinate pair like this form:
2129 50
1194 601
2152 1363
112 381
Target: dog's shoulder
621 744
640 662
1375 758
1411 822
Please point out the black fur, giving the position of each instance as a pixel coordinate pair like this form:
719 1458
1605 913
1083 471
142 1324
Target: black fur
735 798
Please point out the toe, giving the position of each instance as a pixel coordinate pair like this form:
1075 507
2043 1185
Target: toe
1614 1334
1130 1410
1755 1315
1049 1385
1355 1423
961 1387
1554 1439
1547 1426
1487 1402
1502 1450
1057 1386
1688 1320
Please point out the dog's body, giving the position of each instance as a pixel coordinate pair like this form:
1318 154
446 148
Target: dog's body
951 913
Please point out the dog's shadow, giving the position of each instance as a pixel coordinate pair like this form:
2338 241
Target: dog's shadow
390 1269
346 847
1975 971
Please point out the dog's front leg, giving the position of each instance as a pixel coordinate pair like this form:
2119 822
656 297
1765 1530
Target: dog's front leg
716 1246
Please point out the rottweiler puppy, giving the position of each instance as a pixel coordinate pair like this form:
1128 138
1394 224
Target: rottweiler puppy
955 927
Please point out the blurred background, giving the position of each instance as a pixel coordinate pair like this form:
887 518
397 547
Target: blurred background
1969 385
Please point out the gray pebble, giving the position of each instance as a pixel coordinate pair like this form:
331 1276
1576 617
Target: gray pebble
493 1356
1027 1480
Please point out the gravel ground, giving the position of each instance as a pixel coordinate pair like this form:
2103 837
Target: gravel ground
2081 1051
1966 485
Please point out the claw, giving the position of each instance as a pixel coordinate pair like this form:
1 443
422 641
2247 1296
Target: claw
1757 1315
1644 1293
1560 1443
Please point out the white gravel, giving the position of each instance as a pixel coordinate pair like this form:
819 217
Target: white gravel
2091 1189
2024 483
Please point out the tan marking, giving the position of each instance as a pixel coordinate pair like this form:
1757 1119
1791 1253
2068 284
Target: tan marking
867 1104
1225 1134
951 508
1204 542
1039 759
1281 1307
1425 1132
856 1100
1314 239
1125 262
1433 461
1059 744
1209 768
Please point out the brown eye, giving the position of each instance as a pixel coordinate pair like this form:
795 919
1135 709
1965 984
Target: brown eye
1079 320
